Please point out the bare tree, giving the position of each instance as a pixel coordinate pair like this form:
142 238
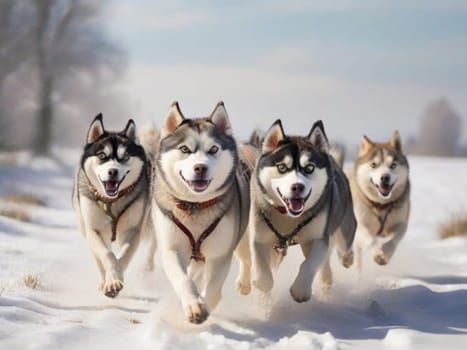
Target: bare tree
440 131
15 41
69 43
58 68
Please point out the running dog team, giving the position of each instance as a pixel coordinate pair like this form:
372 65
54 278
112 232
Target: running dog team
203 198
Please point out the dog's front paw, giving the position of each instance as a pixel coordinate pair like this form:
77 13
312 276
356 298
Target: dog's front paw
326 288
299 292
326 284
196 312
112 287
264 284
347 259
380 258
243 287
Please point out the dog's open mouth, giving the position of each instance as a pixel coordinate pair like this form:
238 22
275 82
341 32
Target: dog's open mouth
294 205
111 187
384 189
198 185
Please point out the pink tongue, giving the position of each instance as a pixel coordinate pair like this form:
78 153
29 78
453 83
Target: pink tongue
296 204
199 184
384 190
111 186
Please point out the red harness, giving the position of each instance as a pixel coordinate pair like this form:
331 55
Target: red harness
195 244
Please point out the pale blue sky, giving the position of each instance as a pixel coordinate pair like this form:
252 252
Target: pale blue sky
361 66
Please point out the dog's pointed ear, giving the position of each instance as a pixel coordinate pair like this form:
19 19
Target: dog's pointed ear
273 137
96 129
318 138
365 146
396 141
220 119
173 120
130 130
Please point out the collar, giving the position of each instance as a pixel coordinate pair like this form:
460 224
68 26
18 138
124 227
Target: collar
190 206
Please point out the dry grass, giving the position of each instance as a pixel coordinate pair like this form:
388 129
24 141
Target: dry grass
32 280
15 206
134 321
455 226
23 198
16 213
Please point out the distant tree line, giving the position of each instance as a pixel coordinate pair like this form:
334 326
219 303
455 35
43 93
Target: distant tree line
58 67
441 132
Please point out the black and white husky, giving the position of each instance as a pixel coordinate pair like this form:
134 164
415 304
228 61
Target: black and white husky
111 199
200 206
299 195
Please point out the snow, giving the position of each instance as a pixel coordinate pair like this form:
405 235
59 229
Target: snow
418 301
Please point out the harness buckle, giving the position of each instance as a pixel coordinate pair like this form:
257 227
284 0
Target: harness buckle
281 248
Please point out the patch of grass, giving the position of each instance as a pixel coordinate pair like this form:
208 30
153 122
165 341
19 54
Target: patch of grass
134 321
16 213
15 206
23 198
455 226
32 280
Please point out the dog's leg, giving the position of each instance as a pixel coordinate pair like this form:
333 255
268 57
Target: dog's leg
344 250
242 253
151 252
128 242
113 280
262 266
325 273
148 233
193 304
363 241
215 272
344 238
101 272
385 251
314 252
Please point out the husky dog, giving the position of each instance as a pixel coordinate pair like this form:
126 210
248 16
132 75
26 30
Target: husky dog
111 198
200 206
299 195
381 193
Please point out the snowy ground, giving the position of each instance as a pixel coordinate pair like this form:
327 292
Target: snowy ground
418 301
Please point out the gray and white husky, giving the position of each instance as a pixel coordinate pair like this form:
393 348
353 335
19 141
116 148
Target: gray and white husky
200 206
111 199
381 193
299 195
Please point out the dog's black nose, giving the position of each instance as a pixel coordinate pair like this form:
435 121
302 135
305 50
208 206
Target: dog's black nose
297 188
113 173
385 179
200 169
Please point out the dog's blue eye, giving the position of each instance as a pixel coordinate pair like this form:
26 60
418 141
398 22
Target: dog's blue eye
102 156
213 150
126 156
309 168
281 168
184 149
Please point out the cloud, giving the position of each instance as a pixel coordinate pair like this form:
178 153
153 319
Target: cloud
153 15
256 96
361 66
